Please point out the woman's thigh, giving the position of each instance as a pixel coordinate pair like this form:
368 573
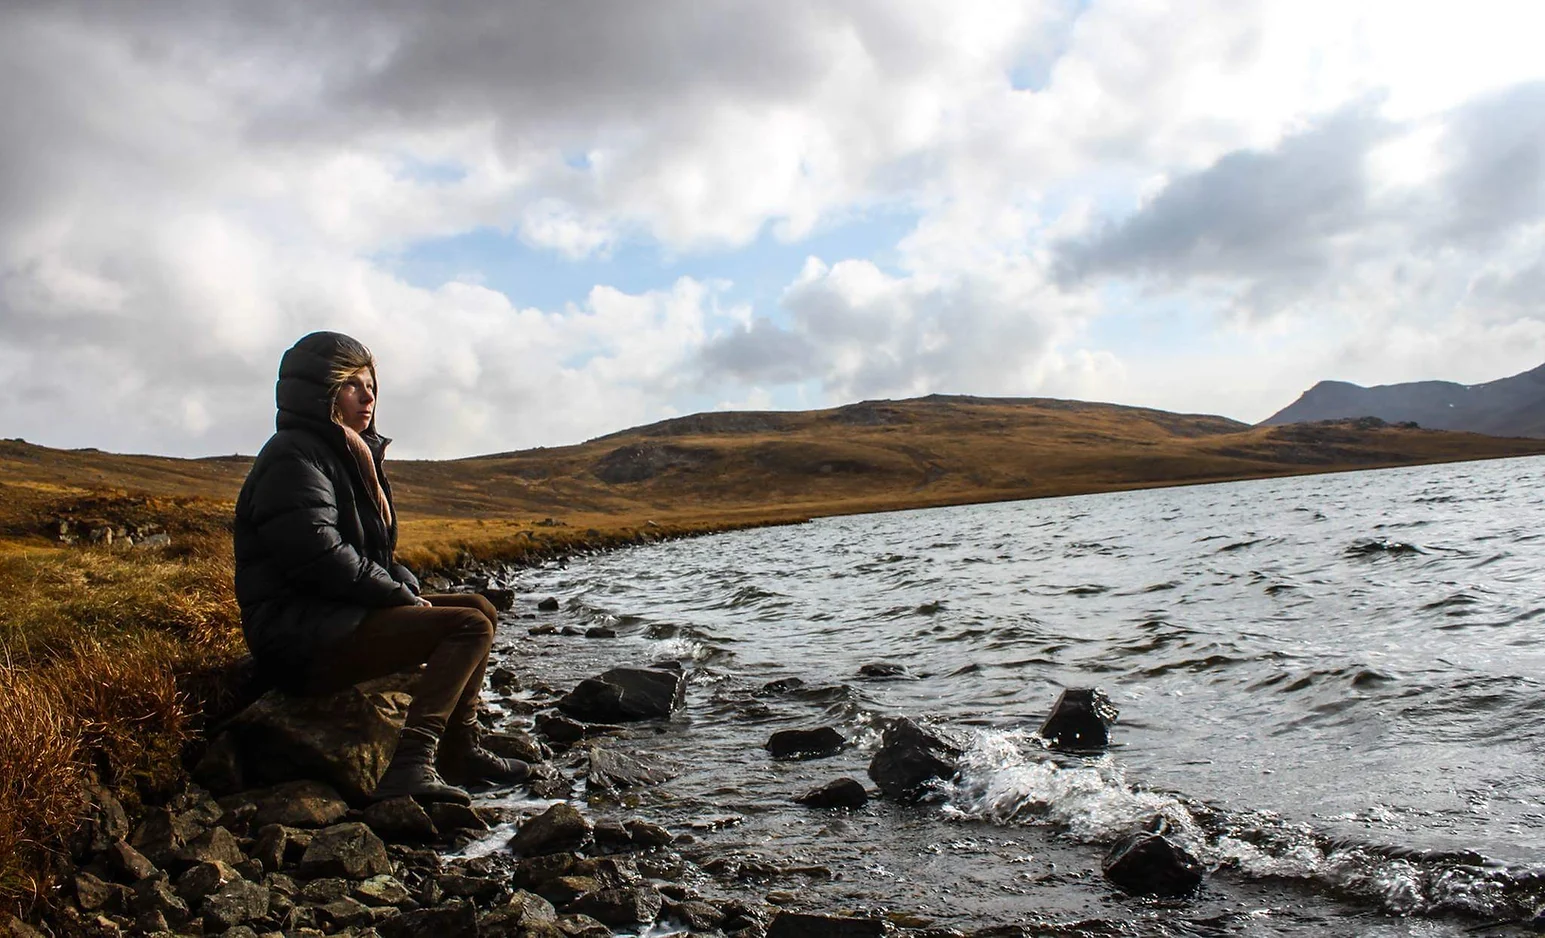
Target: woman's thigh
465 600
386 641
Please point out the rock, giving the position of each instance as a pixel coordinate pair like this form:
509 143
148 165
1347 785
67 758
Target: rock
325 889
216 845
600 631
302 803
518 918
841 793
154 895
154 540
383 890
201 879
611 837
633 905
235 903
804 925
343 739
550 604
560 827
106 824
277 845
610 770
1146 863
504 679
162 833
400 820
127 863
450 817
502 599
805 744
345 912
514 744
647 836
698 916
883 671
1080 720
350 850
453 920
563 731
581 926
624 695
16 928
780 687
481 889
908 758
92 894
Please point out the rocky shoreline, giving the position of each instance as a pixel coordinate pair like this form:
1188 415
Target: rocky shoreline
276 834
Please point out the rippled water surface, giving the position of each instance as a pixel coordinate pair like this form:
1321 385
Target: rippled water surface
1331 687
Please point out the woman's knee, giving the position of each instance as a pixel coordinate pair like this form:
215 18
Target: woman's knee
472 624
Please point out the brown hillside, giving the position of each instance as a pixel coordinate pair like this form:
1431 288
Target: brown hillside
752 466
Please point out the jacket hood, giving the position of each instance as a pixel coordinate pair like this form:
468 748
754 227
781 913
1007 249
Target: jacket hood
304 389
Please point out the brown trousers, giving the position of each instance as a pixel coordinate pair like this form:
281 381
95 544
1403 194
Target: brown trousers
451 636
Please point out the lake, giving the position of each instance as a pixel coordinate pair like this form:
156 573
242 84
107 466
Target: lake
1331 686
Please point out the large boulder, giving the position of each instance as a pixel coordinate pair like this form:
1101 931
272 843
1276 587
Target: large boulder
624 695
909 757
1147 863
344 739
1080 720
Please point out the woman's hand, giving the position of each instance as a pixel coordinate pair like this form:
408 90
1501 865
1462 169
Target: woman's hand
421 601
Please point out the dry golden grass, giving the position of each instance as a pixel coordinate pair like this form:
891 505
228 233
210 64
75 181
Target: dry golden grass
111 659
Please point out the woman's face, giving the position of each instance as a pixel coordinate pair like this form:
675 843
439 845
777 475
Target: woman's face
357 401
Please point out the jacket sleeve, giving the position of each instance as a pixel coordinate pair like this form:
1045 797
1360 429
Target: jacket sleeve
406 578
295 512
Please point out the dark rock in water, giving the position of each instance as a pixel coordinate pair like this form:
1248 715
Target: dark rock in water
504 679
564 731
343 739
548 629
624 695
805 744
349 850
1080 720
550 604
572 631
696 915
1374 547
781 686
1146 863
883 671
448 817
909 757
502 599
804 925
630 905
515 744
400 820
452 920
647 835
600 631
842 793
611 770
561 827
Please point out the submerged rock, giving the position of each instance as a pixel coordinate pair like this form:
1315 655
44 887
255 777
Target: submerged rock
610 770
624 695
909 757
550 604
841 793
502 599
805 744
1080 720
1147 863
805 925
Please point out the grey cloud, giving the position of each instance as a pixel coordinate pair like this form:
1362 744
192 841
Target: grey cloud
1287 222
763 353
1250 214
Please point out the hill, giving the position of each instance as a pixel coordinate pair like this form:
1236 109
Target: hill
733 468
1506 407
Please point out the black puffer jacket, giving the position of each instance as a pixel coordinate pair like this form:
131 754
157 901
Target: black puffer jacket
313 554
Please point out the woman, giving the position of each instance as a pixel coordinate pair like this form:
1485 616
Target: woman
323 603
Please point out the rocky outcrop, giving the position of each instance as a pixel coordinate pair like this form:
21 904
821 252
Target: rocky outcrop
625 695
1148 863
909 758
1080 720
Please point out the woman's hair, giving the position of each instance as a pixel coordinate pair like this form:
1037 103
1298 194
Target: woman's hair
349 363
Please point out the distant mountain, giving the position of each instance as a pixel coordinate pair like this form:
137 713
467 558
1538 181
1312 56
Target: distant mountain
1506 407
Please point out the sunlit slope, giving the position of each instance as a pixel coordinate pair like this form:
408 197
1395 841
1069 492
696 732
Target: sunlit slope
869 456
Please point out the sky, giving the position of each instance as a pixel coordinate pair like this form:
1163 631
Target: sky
555 220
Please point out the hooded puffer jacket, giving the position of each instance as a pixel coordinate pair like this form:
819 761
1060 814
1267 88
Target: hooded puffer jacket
313 554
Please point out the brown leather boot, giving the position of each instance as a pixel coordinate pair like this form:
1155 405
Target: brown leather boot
412 771
464 760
